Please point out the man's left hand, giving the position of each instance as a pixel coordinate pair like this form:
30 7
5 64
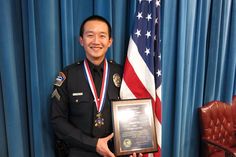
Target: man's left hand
102 147
134 155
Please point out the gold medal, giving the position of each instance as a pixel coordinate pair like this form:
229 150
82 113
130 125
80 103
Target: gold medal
99 120
116 79
99 100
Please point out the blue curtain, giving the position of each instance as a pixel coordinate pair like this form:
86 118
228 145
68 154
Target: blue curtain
40 37
199 65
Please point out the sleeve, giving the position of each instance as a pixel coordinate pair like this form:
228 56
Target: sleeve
63 129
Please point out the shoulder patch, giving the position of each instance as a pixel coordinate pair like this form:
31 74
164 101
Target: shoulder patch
60 79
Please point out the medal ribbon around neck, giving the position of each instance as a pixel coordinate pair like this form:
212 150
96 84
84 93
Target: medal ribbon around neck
101 99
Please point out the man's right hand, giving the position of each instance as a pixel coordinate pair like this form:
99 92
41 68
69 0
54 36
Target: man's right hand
102 147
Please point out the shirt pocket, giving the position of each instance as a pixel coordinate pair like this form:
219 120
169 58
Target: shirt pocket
113 94
81 103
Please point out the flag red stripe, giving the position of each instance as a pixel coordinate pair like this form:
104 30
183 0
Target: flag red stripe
138 89
157 109
156 154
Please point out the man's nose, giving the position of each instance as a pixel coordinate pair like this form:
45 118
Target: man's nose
95 39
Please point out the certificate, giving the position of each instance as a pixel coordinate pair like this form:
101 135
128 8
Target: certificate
134 127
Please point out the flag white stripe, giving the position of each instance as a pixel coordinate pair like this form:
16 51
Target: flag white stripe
158 131
150 155
158 91
140 68
125 93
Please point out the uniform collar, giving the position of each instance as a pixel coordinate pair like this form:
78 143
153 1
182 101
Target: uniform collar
95 67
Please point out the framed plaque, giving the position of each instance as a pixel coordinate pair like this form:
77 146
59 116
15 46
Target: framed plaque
134 126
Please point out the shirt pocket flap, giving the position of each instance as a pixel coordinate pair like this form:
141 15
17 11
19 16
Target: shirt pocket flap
113 95
80 97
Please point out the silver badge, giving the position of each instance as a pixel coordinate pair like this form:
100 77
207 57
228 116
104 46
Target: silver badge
117 79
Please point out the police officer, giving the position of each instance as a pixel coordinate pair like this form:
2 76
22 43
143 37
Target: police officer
81 109
81 99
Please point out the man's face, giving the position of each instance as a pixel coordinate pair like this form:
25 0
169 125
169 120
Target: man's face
95 40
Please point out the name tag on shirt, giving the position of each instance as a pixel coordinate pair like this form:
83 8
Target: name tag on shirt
77 94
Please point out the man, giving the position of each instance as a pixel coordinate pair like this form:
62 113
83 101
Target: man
81 109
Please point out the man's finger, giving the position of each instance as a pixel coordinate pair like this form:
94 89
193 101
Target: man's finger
111 154
110 136
133 155
140 155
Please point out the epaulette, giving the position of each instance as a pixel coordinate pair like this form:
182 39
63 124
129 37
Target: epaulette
112 61
75 64
79 62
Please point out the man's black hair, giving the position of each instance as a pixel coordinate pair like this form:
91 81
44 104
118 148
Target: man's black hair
94 18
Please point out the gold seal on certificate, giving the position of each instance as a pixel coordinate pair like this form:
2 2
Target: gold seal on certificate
127 143
134 127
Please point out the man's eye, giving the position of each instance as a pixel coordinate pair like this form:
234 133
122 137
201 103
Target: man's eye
89 35
103 36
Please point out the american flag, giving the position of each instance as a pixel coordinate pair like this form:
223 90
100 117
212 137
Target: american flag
142 71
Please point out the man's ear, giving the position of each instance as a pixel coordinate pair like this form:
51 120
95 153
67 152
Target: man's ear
110 41
81 41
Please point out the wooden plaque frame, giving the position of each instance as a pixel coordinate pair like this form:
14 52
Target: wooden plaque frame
134 126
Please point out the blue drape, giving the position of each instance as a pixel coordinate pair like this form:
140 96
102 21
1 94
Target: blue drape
40 37
199 63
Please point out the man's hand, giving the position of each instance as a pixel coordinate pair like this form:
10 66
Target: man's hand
134 155
102 147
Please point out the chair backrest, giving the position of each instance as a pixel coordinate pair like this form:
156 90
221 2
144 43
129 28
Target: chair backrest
234 100
234 109
216 123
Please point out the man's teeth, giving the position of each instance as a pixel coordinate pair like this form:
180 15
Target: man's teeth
96 47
